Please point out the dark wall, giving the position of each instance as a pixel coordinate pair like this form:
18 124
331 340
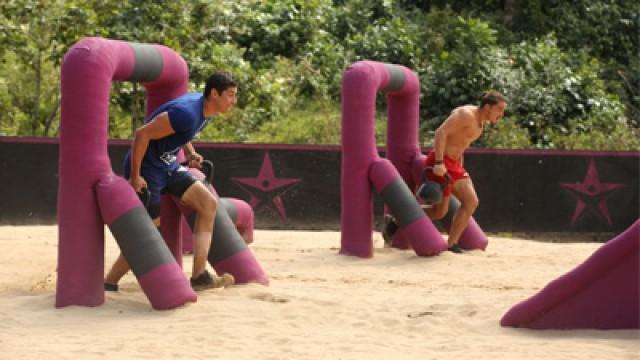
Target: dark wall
298 187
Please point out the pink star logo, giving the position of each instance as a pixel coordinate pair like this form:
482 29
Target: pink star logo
266 188
591 194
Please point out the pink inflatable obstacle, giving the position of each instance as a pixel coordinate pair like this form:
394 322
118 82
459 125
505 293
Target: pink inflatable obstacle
89 194
601 293
229 252
239 211
363 171
397 178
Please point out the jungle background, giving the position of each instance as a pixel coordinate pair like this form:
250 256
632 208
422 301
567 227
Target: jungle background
570 69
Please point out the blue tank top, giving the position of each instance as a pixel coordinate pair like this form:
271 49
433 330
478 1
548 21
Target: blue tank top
187 119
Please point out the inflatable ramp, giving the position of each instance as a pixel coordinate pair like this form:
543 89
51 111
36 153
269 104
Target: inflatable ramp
601 293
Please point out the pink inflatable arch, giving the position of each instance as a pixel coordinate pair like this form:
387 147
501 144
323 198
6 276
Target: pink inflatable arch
364 171
89 194
601 293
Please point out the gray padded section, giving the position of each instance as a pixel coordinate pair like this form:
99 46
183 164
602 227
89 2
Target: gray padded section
401 202
226 239
140 241
454 205
148 63
396 81
231 208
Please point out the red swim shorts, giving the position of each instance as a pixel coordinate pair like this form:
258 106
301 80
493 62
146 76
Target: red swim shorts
454 169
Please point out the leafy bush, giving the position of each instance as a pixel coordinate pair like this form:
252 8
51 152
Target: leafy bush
316 122
558 87
507 134
592 134
464 62
289 57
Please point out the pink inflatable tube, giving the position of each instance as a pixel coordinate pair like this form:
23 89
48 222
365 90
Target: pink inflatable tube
229 252
601 293
240 212
400 201
87 72
361 82
242 216
154 267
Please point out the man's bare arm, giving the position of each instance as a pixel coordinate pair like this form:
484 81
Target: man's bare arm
194 159
158 128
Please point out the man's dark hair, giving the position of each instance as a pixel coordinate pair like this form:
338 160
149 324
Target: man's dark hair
491 97
219 80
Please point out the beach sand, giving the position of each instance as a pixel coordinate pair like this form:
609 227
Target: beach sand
319 305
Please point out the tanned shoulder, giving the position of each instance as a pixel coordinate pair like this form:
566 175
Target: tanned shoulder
462 116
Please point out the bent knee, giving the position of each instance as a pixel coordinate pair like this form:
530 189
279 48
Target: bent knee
471 204
209 204
205 205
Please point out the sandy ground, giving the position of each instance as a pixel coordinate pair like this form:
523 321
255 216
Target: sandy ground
319 306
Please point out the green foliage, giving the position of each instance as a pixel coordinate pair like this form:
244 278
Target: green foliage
557 87
631 84
507 134
318 123
570 70
270 29
463 57
393 40
589 134
28 45
608 30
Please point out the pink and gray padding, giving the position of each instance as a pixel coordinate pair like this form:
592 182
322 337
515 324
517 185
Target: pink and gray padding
89 194
242 216
141 244
601 293
240 213
402 203
229 253
472 237
363 169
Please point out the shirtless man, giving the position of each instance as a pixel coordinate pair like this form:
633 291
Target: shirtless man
452 138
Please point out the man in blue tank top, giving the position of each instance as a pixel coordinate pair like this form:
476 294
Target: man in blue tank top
151 163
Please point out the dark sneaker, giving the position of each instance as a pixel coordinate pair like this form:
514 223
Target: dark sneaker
110 287
206 281
456 249
389 227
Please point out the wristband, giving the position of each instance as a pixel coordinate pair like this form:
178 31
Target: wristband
439 162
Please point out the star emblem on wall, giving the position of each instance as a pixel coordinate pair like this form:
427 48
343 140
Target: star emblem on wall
591 194
266 190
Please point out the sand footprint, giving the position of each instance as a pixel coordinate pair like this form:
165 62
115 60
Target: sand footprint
432 310
466 310
270 298
418 314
